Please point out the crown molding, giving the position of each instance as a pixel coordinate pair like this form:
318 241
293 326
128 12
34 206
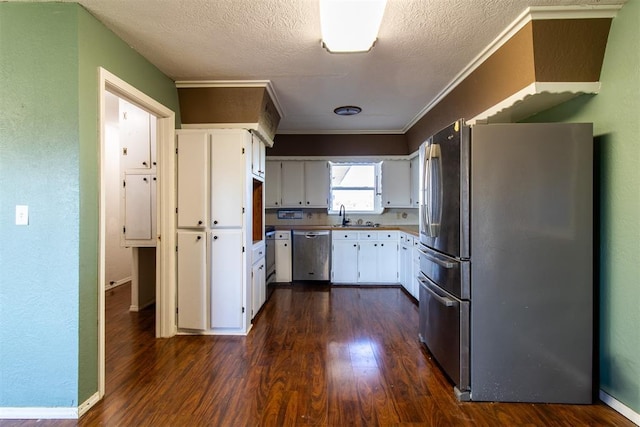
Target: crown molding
530 14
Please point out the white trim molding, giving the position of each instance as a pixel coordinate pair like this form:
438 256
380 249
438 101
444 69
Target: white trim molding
530 14
38 413
536 97
41 413
619 407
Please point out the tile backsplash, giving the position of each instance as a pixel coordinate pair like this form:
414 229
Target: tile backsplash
396 216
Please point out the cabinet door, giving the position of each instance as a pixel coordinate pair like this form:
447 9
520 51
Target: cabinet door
192 179
368 261
257 157
228 174
316 183
192 280
137 206
227 279
405 264
414 165
344 261
257 287
135 137
396 184
272 184
387 262
292 183
283 260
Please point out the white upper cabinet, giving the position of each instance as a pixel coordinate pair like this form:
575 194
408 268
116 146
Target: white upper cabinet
138 209
396 184
193 169
257 157
415 181
316 183
135 137
292 184
305 183
272 184
228 174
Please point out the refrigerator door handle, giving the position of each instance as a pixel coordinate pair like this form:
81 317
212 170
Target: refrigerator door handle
439 261
427 191
434 155
447 302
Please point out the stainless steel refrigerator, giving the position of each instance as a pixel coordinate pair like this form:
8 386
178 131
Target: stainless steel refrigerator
506 282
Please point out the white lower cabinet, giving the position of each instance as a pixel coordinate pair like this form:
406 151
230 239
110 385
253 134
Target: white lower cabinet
227 293
192 280
405 263
258 279
365 257
283 256
344 257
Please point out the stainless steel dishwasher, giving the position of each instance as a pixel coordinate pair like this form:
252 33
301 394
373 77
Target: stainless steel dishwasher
311 255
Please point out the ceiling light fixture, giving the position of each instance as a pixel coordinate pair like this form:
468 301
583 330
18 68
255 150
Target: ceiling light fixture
350 26
347 110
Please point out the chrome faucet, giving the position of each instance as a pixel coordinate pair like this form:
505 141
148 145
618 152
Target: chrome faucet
343 213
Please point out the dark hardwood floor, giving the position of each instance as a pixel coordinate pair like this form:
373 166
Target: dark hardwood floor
318 356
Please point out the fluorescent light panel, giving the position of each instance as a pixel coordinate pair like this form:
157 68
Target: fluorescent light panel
350 25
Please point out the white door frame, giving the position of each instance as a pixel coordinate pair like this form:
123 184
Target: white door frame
165 208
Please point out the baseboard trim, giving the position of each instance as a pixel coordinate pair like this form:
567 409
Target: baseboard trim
113 285
619 407
88 404
38 413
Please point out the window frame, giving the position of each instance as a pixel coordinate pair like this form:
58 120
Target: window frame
377 187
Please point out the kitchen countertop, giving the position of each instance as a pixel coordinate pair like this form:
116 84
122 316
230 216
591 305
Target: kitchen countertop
411 229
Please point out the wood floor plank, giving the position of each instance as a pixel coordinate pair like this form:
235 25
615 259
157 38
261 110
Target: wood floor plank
316 356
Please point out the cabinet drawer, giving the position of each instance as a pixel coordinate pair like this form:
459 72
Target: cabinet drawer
283 235
344 235
258 252
368 235
387 235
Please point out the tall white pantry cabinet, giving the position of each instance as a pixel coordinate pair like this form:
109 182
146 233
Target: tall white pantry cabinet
214 219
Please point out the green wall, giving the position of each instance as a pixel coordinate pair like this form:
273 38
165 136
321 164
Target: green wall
615 113
49 59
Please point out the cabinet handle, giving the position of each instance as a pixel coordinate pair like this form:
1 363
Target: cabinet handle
285 245
299 203
144 163
144 179
375 244
199 222
215 237
381 244
307 202
199 237
154 163
215 222
354 245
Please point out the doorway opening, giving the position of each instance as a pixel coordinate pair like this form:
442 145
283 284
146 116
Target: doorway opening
163 270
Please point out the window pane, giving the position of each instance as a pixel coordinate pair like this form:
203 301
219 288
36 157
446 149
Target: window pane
353 200
353 176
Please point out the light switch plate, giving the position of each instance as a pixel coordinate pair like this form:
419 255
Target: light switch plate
22 215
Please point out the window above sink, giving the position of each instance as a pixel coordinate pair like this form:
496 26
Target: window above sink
356 186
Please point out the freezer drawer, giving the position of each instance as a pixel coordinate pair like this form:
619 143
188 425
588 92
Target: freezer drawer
444 329
450 274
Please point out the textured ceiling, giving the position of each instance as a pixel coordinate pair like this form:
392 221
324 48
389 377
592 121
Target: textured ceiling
422 45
